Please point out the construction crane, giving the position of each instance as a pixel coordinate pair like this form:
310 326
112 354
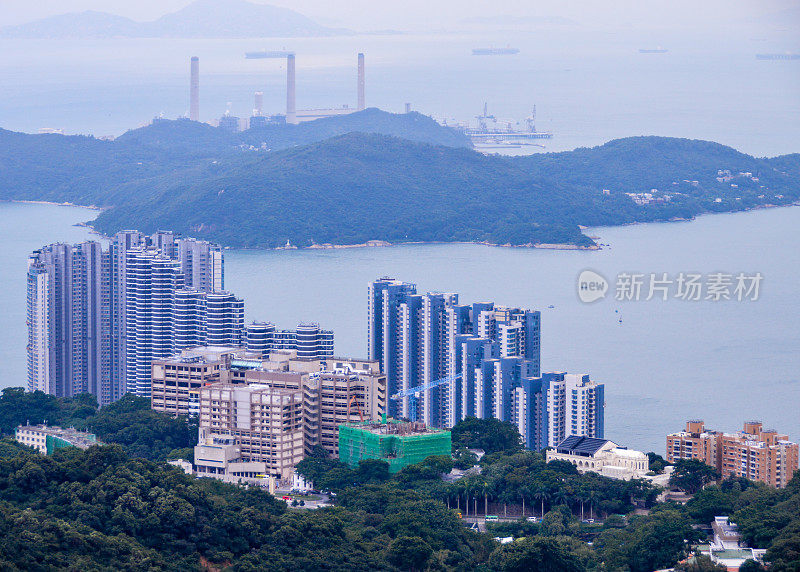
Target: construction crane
358 407
426 386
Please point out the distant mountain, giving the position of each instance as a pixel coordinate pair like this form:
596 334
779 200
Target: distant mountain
200 19
355 187
89 24
235 19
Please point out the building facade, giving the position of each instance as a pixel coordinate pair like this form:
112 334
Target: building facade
65 296
600 456
754 453
266 424
207 319
399 444
482 350
47 439
308 340
96 317
176 381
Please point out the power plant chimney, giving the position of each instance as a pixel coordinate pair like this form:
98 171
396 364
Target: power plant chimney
408 108
258 109
291 110
194 90
361 103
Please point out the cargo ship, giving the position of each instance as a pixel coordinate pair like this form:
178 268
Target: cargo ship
658 50
267 54
786 56
494 51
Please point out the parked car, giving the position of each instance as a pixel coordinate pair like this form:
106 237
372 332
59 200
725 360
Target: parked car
491 518
532 519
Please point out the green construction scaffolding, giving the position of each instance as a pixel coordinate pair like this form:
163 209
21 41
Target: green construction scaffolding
387 442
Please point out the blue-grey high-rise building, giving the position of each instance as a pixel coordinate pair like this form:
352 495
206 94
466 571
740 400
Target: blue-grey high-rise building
549 408
96 317
422 338
65 314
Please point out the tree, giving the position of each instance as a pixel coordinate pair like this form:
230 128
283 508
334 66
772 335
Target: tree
464 459
700 563
409 553
372 471
535 554
541 495
657 463
491 435
658 541
692 475
710 502
751 565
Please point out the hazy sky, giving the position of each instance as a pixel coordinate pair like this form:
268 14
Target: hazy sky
432 14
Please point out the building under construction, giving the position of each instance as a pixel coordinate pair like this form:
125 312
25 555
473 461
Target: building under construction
399 443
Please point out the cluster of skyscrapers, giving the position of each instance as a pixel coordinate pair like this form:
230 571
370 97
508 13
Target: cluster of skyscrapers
445 361
97 317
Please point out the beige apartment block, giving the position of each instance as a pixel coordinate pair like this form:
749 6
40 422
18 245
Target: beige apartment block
175 382
267 425
754 453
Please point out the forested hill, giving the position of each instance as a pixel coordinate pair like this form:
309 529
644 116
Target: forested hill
202 139
333 182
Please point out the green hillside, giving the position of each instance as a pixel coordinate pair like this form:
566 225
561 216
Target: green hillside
378 176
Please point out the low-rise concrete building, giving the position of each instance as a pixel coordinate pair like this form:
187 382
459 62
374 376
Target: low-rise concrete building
47 439
398 443
220 456
601 456
728 549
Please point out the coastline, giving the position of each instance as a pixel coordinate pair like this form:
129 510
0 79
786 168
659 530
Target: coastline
384 244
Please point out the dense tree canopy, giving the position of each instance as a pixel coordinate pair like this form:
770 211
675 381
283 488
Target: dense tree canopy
692 475
114 507
129 422
491 435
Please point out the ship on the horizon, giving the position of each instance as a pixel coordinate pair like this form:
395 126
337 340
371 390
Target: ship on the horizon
658 50
784 56
494 51
262 54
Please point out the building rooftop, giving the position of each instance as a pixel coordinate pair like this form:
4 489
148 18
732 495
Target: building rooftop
628 453
578 445
80 439
394 427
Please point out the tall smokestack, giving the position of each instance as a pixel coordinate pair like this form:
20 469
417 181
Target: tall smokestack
291 111
361 103
258 109
194 90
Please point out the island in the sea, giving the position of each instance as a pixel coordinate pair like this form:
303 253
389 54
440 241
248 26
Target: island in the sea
375 178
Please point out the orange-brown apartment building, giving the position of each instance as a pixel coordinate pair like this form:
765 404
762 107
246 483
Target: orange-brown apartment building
754 453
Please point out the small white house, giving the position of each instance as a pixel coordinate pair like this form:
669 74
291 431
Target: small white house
300 483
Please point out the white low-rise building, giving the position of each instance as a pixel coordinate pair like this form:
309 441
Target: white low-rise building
47 439
300 483
220 457
601 456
